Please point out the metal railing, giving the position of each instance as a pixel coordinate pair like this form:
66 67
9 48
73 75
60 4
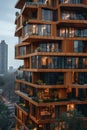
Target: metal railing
35 3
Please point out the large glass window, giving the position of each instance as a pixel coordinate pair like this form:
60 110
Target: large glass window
47 15
23 50
52 78
54 62
71 15
26 31
70 1
27 76
71 32
41 30
80 77
80 46
51 47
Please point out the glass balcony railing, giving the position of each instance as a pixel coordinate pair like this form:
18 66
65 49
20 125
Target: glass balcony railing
23 106
54 62
72 32
80 50
39 30
66 15
36 3
27 76
70 1
40 2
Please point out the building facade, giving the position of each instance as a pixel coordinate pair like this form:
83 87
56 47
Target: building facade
52 42
3 57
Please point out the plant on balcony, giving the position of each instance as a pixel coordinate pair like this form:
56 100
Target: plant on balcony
55 95
29 124
17 14
73 120
30 93
85 15
40 82
39 49
25 22
40 96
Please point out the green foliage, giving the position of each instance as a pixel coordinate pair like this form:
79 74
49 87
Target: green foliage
3 116
1 81
74 120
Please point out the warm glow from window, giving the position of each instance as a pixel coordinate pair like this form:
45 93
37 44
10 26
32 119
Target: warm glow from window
67 16
34 29
46 1
70 107
43 61
66 1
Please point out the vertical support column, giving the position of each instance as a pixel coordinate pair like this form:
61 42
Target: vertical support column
76 92
67 46
39 13
59 14
53 30
30 63
68 81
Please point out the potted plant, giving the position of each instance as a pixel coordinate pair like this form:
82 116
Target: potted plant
40 82
55 95
40 96
38 49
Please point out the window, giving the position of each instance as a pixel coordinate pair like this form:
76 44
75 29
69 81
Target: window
71 32
47 15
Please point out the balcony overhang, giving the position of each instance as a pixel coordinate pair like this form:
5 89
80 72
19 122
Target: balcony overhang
71 23
73 6
20 4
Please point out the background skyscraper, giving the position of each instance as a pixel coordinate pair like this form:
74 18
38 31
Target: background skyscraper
3 57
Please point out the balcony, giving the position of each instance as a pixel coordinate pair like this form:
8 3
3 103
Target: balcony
74 15
23 107
47 113
72 32
56 62
41 2
70 1
36 3
24 76
38 30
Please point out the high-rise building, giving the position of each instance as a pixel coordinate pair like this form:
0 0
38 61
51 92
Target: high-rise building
53 45
3 57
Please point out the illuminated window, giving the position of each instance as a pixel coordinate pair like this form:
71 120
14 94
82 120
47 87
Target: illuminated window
34 29
70 107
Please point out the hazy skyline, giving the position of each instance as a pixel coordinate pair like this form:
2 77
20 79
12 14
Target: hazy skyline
7 29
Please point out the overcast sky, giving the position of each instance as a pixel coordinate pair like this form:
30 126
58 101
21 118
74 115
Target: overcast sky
7 29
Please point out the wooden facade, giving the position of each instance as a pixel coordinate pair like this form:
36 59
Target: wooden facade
52 42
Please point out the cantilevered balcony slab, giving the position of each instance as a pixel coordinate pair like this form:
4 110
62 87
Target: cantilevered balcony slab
73 6
18 32
21 123
20 4
51 54
25 96
71 23
40 86
55 70
17 106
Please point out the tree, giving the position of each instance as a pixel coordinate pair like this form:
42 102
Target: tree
74 120
4 112
1 81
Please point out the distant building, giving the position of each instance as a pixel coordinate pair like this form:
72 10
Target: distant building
3 57
11 69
